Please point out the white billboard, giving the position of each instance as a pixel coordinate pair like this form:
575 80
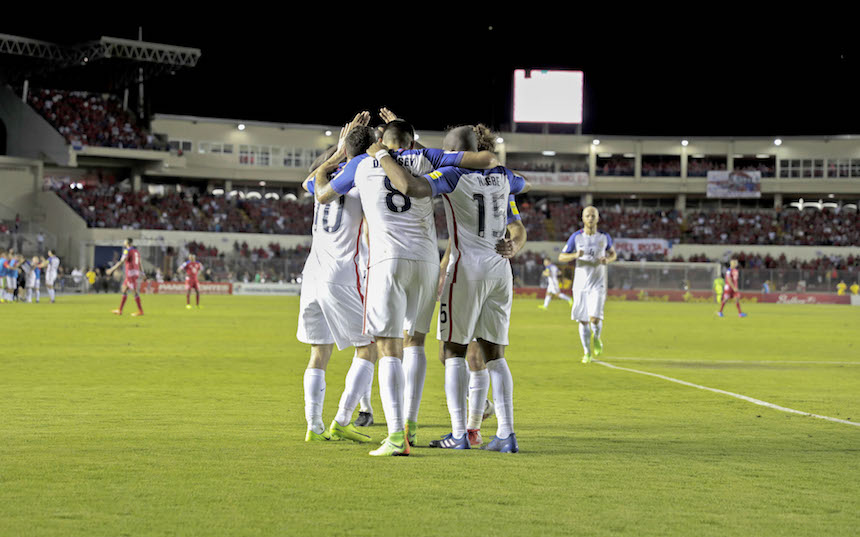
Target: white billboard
548 96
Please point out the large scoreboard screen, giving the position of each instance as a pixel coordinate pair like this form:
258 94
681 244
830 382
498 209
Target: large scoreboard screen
548 96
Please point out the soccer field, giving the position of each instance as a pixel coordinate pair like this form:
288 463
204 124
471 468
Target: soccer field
192 423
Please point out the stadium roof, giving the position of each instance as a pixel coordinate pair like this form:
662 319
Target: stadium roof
107 63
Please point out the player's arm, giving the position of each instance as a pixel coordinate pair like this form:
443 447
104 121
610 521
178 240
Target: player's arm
612 256
388 116
479 160
516 235
401 179
443 269
325 193
568 254
118 263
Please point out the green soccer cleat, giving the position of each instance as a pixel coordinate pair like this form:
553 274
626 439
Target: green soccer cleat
188 306
586 359
314 437
542 307
412 432
346 432
395 445
570 301
598 347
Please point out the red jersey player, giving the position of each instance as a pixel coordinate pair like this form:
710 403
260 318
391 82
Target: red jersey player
731 290
133 276
191 268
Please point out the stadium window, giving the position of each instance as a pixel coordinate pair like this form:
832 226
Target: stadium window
615 165
203 147
699 166
264 156
276 156
855 167
573 163
765 165
243 154
228 149
818 168
844 168
289 162
173 144
215 148
253 155
186 145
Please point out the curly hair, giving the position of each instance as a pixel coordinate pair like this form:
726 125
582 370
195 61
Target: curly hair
486 137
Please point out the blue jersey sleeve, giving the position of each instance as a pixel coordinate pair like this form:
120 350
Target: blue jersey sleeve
517 182
571 244
608 240
513 212
444 180
311 185
439 158
344 180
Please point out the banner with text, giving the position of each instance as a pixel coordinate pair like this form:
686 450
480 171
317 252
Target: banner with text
271 289
641 247
736 184
178 288
557 179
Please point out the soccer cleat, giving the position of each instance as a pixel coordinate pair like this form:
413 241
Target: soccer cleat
346 432
570 301
188 306
116 312
365 419
742 314
412 432
136 313
598 347
489 410
395 445
503 445
720 314
314 437
586 359
542 307
474 437
450 442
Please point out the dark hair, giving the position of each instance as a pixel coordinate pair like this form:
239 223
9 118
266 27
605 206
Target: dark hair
398 133
460 139
322 158
130 241
486 138
358 140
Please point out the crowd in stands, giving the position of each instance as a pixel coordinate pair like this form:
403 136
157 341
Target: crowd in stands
90 118
699 167
661 168
757 261
786 227
615 166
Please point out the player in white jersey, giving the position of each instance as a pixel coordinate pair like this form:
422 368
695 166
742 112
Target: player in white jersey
51 270
592 251
332 296
477 294
403 269
553 287
33 279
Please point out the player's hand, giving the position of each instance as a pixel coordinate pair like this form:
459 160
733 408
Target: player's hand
361 119
505 248
387 115
375 147
580 253
603 260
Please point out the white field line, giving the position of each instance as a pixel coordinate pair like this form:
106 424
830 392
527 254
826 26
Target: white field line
730 394
781 362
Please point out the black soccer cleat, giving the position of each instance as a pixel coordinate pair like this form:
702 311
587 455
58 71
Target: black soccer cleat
365 419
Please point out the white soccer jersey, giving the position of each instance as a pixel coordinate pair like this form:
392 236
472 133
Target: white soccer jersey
336 253
552 276
478 207
589 273
400 227
53 267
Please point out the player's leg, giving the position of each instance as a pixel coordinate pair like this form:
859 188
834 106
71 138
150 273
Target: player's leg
725 298
314 386
365 408
38 291
480 408
547 299
456 385
29 294
738 304
391 385
505 440
197 294
124 291
579 313
50 288
358 379
595 302
135 285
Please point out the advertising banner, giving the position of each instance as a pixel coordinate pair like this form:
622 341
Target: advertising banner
178 288
262 289
676 295
736 184
558 179
641 246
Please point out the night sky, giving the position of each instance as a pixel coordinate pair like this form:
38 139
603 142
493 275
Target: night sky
742 73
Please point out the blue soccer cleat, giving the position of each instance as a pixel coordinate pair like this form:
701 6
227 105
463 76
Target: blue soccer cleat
450 442
720 314
742 314
503 445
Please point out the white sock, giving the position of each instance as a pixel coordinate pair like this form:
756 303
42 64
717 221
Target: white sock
391 381
503 395
479 385
51 294
364 403
358 377
415 370
314 398
30 294
564 297
546 300
38 294
585 337
455 394
597 327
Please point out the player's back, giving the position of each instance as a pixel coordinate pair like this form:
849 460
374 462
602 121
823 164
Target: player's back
132 262
53 265
335 251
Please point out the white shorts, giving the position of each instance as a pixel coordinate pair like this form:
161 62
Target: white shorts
331 313
32 281
50 279
470 309
401 295
587 304
11 282
552 288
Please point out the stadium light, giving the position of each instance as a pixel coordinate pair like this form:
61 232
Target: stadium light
292 197
500 140
262 183
737 156
272 196
254 195
762 155
417 136
218 192
548 153
831 196
595 142
604 155
777 142
328 133
241 126
685 143
698 155
629 155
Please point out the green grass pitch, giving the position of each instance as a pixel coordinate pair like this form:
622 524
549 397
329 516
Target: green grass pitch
192 423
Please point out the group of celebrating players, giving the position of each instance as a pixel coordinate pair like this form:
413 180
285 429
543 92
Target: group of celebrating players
373 276
18 272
